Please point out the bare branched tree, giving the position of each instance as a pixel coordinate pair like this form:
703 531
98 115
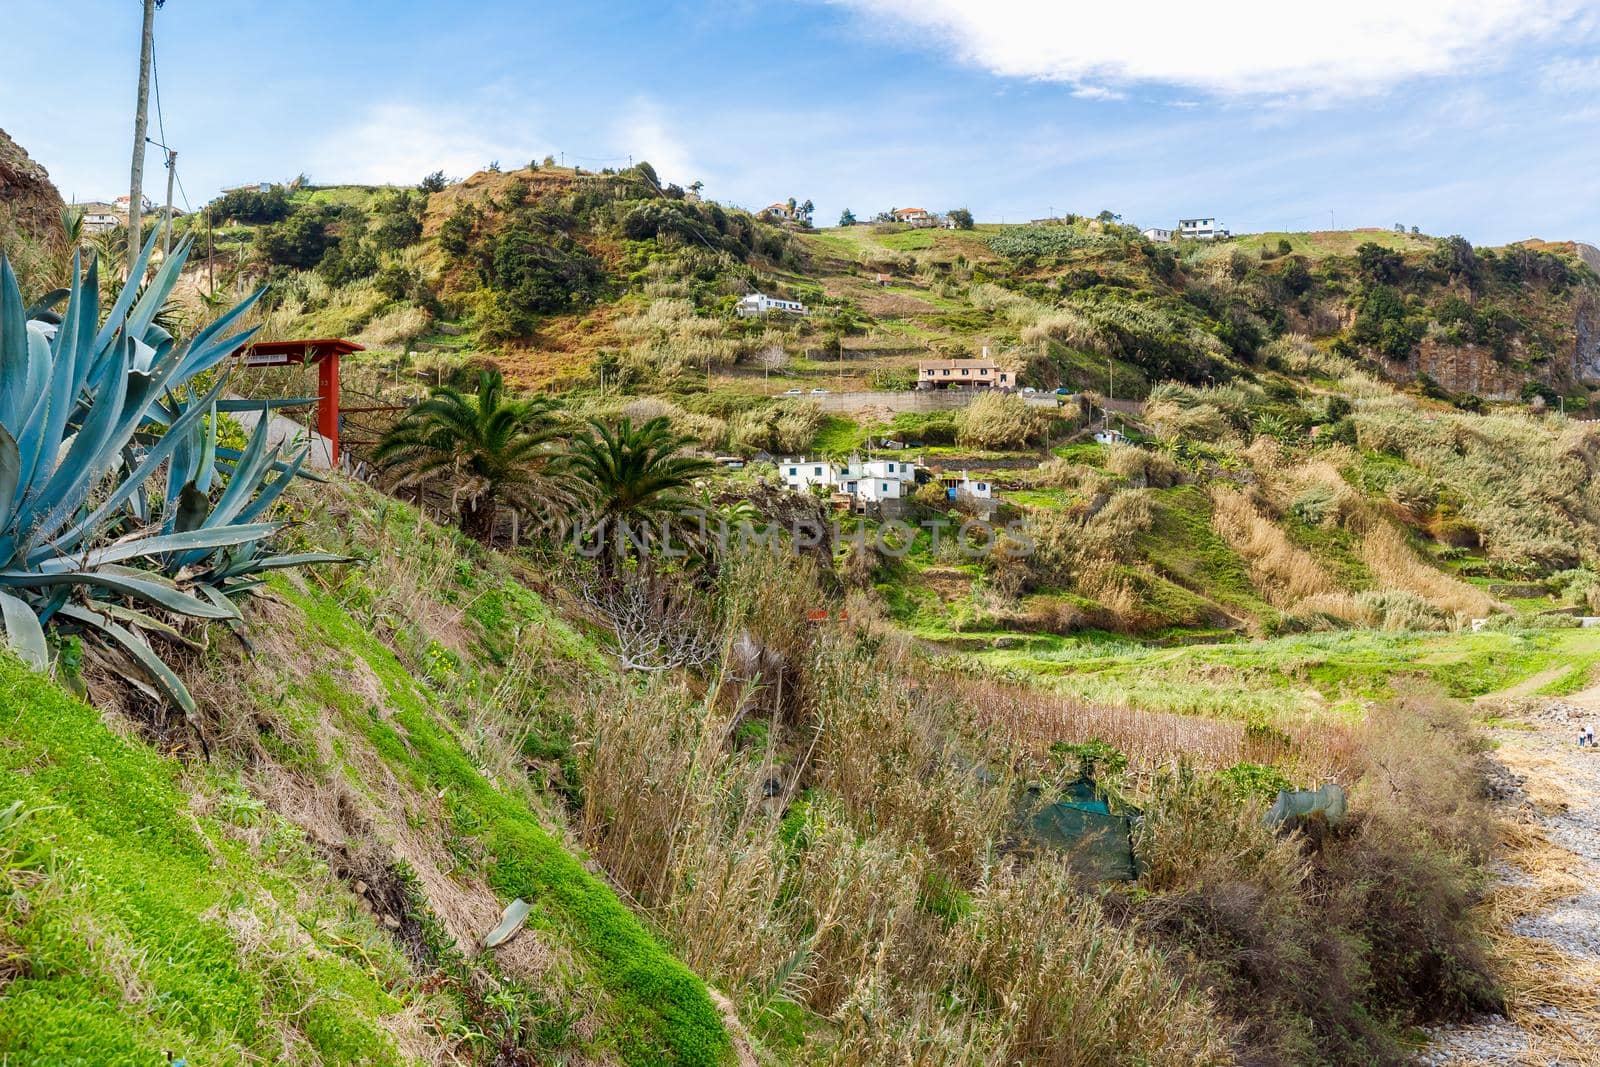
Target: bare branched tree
660 624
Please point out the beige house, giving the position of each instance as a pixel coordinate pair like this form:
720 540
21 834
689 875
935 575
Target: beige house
963 374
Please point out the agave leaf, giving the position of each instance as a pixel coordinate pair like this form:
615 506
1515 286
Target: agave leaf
265 498
236 626
142 546
13 345
23 632
153 459
143 622
150 664
511 921
118 314
208 453
48 301
213 344
144 588
193 507
278 563
228 459
86 457
10 474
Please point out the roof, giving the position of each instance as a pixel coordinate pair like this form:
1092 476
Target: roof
910 211
776 207
924 364
308 351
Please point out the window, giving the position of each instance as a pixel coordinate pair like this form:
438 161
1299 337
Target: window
947 372
793 471
885 487
816 470
965 372
891 468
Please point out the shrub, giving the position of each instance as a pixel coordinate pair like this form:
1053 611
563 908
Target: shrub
1001 420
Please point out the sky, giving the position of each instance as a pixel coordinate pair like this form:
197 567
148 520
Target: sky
1477 117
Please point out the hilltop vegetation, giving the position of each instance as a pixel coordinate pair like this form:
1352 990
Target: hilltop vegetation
562 274
769 799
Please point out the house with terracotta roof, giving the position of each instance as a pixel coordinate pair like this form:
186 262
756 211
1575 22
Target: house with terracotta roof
963 374
921 218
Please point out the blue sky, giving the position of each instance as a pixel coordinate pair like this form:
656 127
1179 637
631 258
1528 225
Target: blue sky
1479 117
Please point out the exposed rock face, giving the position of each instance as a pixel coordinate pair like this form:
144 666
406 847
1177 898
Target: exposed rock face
30 206
1586 328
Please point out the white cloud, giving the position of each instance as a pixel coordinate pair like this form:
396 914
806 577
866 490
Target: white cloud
1571 76
1229 47
644 133
399 143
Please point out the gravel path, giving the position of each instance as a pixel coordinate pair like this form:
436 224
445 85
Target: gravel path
1547 899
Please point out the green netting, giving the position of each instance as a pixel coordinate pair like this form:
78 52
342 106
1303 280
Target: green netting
1098 844
1083 795
1328 802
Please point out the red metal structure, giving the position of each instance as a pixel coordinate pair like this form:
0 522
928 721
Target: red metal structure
325 353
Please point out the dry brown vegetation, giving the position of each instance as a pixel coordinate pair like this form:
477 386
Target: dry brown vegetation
1284 574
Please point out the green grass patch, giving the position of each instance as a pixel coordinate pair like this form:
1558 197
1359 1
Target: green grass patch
143 927
662 1012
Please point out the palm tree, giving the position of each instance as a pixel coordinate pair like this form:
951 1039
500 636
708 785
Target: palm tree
634 476
497 451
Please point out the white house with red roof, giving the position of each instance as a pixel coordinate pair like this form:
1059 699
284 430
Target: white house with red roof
920 218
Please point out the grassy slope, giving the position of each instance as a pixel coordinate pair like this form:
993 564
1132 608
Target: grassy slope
1302 676
136 925
168 936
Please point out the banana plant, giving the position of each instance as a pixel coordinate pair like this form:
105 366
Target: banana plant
88 417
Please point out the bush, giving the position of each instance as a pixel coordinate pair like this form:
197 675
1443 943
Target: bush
1001 420
300 241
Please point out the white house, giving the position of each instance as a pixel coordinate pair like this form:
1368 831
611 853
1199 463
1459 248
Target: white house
757 304
797 213
873 480
99 217
1156 233
921 218
1201 229
967 486
121 204
1110 437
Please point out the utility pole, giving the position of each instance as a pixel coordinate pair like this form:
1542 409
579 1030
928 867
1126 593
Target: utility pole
211 270
141 116
172 172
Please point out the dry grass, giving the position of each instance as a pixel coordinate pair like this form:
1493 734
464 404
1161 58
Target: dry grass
809 829
1283 573
1396 564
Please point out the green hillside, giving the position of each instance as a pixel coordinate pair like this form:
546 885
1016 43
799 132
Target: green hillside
977 776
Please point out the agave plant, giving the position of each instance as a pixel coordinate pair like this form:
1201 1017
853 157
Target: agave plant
89 413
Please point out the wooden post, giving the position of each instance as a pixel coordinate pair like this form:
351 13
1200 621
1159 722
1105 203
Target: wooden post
141 114
328 406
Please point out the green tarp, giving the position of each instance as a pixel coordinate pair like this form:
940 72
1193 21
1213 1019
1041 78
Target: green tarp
1098 844
1328 802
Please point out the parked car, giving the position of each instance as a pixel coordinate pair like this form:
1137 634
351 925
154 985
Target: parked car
1029 389
792 392
819 391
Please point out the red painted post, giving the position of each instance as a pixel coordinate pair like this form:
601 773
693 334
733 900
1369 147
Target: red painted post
328 405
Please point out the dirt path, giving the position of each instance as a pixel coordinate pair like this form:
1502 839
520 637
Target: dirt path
1545 908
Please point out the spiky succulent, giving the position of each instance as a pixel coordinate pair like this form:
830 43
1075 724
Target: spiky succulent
90 413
